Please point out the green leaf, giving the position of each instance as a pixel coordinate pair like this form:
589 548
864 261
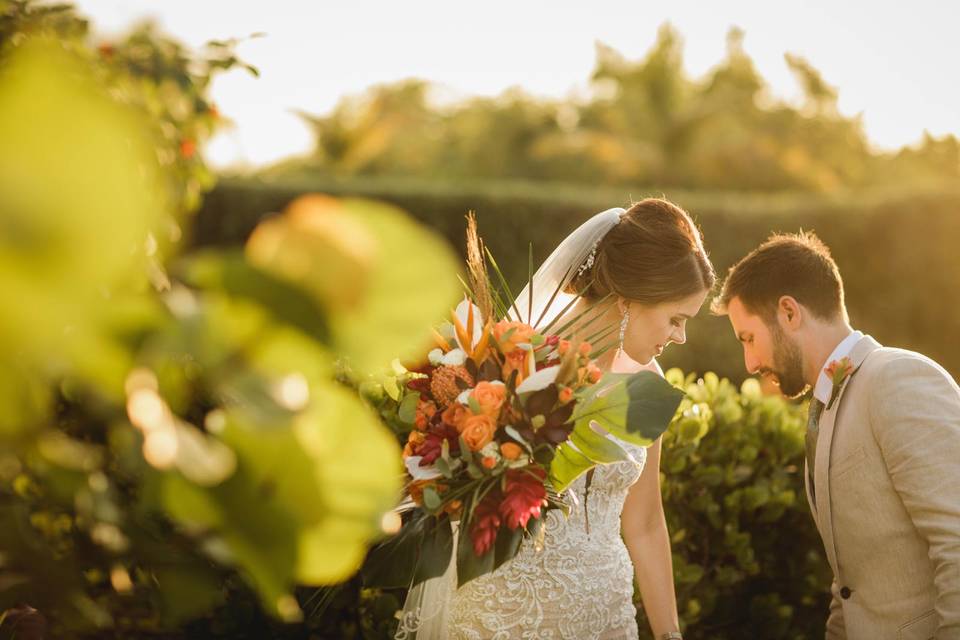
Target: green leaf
80 190
469 566
567 465
407 412
636 408
420 551
436 552
431 499
633 407
187 591
597 447
229 271
507 545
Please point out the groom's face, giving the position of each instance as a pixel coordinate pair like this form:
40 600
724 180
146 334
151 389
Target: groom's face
768 351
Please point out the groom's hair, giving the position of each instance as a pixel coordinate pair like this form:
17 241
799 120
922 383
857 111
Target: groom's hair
793 264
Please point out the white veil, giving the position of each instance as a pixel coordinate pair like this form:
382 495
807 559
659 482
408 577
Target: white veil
426 611
560 268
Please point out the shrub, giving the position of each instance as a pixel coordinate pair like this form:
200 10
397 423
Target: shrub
748 561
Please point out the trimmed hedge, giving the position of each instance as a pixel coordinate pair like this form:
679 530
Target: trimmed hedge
896 249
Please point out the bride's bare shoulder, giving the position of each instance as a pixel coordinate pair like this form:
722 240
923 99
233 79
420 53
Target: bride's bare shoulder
624 364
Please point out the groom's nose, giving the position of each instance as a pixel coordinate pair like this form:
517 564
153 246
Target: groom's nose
750 362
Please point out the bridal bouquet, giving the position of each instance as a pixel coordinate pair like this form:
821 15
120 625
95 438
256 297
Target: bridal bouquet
499 420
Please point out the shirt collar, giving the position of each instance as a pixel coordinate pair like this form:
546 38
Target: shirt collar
824 386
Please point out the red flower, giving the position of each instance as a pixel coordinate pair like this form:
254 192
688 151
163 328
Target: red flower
421 384
525 494
433 443
486 521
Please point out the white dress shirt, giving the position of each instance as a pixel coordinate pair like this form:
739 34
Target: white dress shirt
824 386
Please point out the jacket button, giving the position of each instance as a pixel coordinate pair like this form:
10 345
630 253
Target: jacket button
845 593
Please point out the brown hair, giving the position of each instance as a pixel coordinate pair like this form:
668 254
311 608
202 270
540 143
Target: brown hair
654 254
797 265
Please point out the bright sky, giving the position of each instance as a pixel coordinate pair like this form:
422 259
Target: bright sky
895 62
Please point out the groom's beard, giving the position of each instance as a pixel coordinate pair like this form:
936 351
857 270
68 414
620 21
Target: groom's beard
788 360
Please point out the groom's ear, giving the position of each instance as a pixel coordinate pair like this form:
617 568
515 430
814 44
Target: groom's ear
789 312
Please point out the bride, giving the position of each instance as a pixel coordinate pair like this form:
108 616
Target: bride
578 583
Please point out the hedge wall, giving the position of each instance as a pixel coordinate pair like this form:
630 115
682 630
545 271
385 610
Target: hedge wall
895 249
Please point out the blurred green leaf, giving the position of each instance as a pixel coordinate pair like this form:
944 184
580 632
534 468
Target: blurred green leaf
79 193
230 272
383 277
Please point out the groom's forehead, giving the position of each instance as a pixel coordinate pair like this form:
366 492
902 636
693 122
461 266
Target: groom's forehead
741 318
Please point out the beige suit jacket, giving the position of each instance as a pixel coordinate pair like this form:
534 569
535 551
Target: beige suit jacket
888 498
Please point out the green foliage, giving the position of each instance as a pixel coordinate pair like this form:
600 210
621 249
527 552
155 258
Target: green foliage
173 453
150 72
644 122
747 558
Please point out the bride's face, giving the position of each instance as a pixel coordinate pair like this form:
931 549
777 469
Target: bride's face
652 327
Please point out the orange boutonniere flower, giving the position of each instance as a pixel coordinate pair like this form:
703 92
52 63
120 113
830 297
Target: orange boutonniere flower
838 371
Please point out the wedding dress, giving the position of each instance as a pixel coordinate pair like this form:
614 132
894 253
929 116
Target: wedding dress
577 584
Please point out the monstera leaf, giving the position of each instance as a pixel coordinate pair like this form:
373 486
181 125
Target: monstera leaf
636 408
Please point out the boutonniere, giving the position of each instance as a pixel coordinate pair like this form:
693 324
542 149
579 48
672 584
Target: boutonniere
838 371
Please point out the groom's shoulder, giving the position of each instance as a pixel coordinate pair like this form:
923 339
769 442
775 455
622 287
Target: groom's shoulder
890 364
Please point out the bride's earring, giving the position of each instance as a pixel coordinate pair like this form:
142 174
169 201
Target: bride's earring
623 328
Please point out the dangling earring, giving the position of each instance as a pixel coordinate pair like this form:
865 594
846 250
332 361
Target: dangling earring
623 328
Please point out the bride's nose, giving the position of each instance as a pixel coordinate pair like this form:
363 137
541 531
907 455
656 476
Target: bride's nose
679 335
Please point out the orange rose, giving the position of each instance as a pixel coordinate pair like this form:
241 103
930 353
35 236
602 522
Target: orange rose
521 333
488 463
563 346
415 439
490 397
455 414
566 395
516 360
477 431
585 348
425 410
511 450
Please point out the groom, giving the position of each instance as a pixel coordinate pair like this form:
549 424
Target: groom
883 443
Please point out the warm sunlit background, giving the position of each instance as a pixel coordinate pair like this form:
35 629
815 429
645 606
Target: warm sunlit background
201 400
895 63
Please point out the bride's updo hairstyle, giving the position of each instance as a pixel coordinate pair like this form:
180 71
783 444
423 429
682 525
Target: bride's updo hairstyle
653 255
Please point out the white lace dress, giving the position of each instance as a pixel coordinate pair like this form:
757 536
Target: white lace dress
579 585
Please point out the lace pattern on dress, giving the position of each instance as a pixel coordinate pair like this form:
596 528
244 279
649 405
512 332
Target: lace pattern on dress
580 585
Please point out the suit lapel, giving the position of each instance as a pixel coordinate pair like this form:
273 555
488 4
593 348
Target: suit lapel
828 418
